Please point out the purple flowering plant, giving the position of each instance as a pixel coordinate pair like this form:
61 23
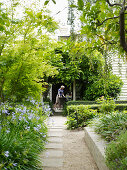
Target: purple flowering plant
23 134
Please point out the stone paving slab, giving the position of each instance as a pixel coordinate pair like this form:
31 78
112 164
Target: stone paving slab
54 146
52 162
55 129
55 139
55 133
53 156
51 153
57 121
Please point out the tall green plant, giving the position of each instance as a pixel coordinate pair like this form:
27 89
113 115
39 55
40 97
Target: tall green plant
23 63
96 87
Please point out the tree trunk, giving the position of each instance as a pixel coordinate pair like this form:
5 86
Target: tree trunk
122 30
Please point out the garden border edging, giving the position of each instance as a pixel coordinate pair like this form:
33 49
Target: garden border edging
96 146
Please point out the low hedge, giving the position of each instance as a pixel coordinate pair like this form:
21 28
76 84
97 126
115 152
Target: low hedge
81 102
119 105
79 116
90 104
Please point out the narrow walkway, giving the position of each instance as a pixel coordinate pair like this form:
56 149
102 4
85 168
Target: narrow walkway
66 150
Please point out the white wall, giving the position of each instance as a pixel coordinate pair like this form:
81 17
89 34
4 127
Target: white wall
119 67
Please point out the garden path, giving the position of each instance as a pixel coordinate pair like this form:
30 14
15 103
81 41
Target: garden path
66 149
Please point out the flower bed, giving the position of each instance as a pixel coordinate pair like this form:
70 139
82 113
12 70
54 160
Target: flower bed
22 135
113 129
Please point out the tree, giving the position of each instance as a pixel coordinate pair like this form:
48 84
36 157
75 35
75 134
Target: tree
122 13
107 21
106 16
24 47
75 63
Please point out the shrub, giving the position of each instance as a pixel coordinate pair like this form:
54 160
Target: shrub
22 136
116 153
90 104
79 116
106 105
96 87
81 102
111 125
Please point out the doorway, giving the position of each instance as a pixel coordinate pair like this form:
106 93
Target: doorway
55 88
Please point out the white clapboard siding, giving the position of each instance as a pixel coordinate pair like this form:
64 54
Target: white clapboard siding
119 67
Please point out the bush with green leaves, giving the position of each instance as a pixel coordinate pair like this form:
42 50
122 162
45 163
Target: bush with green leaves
98 86
23 134
106 105
79 116
25 50
116 153
111 125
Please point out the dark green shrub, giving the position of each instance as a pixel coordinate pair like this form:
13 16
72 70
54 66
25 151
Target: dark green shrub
101 105
111 125
121 107
116 153
96 87
81 102
79 116
90 104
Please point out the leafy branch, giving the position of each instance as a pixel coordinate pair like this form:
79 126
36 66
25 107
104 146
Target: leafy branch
115 4
101 23
123 42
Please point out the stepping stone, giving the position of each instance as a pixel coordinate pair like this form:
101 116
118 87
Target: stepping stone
55 139
52 162
55 133
55 130
51 153
55 127
54 146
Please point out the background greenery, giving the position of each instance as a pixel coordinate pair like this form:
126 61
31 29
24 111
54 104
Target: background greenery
74 63
29 58
23 50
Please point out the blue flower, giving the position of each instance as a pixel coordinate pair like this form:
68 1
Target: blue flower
14 164
7 131
36 129
6 153
44 136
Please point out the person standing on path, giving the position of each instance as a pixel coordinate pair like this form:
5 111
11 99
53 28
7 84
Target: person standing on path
59 95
